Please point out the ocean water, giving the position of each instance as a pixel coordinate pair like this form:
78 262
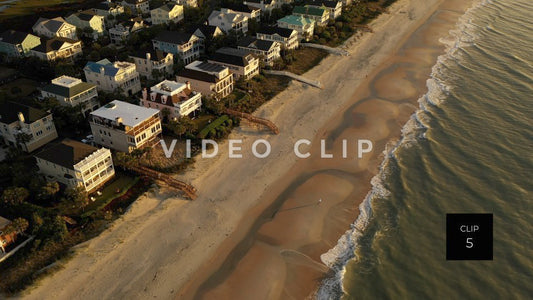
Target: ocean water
469 149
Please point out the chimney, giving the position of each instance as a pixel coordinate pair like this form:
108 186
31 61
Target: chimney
145 94
188 84
21 117
148 56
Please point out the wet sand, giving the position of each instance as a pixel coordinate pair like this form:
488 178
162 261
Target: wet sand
280 259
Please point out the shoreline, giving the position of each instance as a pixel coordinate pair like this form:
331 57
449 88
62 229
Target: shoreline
163 246
389 141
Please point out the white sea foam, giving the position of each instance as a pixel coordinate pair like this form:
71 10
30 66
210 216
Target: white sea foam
336 258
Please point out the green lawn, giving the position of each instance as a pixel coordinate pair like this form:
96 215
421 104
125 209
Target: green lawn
202 121
121 184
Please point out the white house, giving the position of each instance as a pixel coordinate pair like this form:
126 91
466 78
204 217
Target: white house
166 14
186 46
25 127
111 77
56 27
242 63
76 164
267 51
288 38
137 6
152 62
57 48
88 19
207 78
175 97
70 91
228 20
124 126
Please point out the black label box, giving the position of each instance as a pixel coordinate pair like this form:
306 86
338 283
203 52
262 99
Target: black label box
469 237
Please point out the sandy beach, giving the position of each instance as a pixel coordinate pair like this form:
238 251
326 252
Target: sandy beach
257 228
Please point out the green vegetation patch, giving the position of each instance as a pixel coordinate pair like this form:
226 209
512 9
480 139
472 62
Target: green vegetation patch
122 184
216 126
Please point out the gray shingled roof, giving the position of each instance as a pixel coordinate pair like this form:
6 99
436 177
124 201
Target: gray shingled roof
53 44
207 30
155 55
284 32
9 113
68 92
198 75
52 24
232 56
250 42
173 37
67 153
13 37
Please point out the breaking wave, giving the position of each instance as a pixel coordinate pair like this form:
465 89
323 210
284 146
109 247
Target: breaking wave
463 36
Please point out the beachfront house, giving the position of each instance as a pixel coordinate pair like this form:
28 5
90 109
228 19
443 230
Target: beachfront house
58 48
124 126
267 51
207 78
167 13
153 64
228 20
76 164
176 98
304 26
186 46
319 15
92 24
17 44
288 38
119 76
334 8
25 127
70 91
56 27
242 63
